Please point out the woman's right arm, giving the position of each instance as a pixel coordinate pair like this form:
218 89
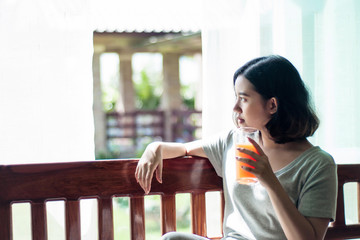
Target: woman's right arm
152 159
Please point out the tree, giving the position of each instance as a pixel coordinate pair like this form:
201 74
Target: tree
148 94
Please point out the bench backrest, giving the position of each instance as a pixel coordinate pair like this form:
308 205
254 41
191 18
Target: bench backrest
37 183
347 173
72 181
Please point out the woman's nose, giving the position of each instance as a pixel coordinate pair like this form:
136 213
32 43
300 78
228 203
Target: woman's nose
237 108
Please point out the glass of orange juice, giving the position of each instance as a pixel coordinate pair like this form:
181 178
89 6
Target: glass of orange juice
241 136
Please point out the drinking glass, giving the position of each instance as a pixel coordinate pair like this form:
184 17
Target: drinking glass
241 136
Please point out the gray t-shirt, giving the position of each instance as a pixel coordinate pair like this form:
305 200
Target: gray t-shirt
310 181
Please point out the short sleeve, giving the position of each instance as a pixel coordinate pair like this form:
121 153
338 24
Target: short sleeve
214 149
318 197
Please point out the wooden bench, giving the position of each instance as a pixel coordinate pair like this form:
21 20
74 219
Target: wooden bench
72 181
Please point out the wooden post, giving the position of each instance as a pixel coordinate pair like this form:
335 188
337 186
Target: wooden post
99 114
171 98
126 101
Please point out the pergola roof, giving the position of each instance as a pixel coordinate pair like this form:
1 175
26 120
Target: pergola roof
143 26
164 42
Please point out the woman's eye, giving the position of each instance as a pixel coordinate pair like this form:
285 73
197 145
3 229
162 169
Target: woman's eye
240 99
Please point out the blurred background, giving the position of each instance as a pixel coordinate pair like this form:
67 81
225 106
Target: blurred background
86 79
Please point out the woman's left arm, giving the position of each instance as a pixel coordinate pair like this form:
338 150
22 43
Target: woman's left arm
293 223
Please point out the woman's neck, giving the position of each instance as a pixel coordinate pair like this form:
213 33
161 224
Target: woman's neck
268 143
280 155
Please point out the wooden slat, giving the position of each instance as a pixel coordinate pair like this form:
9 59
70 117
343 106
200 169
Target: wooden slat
5 221
340 214
72 210
38 221
339 229
168 213
137 218
222 198
198 213
105 212
343 232
358 201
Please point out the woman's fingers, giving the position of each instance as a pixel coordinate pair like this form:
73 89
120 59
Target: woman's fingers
159 172
141 179
137 170
145 169
142 174
148 171
248 169
249 152
256 145
246 160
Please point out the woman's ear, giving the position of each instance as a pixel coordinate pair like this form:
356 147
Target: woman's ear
272 105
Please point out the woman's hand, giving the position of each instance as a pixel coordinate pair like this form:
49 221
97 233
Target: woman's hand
261 166
150 161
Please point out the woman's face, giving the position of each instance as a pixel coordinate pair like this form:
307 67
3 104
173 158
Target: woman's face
251 109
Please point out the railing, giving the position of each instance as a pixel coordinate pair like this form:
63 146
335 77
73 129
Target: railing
132 127
136 124
72 181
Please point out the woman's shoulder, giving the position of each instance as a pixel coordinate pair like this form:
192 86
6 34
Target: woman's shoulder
224 135
319 157
222 138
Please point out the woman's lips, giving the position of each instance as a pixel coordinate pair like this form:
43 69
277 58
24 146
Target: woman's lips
240 121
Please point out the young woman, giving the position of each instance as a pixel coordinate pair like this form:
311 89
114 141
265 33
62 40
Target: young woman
295 197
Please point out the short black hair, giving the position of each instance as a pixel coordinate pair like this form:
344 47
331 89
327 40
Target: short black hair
275 76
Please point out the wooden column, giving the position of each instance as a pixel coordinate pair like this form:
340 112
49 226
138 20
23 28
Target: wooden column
199 83
126 101
99 114
171 98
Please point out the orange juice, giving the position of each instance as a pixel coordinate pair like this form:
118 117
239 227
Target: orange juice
242 176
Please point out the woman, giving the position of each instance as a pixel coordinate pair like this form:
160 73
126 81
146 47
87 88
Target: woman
295 197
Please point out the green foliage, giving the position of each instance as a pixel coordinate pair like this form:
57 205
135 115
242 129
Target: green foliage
188 96
110 95
122 201
148 92
189 103
147 99
107 155
109 102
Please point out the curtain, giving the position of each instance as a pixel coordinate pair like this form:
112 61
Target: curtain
46 93
321 38
45 81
